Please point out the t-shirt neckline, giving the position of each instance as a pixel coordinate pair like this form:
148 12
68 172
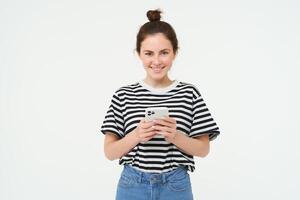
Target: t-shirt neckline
159 90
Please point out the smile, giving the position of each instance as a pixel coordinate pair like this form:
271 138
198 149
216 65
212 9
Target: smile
157 69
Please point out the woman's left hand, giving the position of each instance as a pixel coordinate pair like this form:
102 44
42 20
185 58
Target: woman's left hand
167 127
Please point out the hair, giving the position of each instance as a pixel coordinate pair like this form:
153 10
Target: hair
156 26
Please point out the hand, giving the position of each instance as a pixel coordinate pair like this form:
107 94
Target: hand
144 131
166 127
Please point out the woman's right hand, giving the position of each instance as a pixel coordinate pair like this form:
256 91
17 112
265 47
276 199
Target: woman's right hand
145 131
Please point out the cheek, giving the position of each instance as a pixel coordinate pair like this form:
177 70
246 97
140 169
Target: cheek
168 61
145 61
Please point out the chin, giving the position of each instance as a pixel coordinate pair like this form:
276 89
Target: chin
158 77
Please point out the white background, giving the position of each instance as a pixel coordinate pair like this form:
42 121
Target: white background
61 61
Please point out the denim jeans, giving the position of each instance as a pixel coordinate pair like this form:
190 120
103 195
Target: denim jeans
137 185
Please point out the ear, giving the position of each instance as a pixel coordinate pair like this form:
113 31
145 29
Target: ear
175 55
137 53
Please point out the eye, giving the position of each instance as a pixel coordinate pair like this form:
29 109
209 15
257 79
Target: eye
148 54
165 53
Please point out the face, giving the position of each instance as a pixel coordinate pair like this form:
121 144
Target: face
157 56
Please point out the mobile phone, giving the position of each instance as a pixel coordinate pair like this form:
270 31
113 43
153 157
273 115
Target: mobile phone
152 113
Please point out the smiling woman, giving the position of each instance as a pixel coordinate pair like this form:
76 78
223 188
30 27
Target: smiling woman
157 46
158 154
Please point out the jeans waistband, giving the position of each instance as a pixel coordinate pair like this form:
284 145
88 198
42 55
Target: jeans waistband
164 177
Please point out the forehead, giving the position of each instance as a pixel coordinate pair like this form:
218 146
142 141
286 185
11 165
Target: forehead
156 42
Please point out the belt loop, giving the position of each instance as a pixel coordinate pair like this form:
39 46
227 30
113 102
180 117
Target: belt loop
140 177
164 178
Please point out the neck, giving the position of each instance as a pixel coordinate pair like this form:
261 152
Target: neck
158 83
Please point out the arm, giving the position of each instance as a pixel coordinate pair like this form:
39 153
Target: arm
115 148
198 146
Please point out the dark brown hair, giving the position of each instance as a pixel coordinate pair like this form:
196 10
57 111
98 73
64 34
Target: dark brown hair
156 26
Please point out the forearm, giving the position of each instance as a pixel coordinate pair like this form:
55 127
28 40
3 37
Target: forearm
191 146
117 149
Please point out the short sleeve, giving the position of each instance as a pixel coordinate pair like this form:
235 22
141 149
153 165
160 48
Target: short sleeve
203 122
113 121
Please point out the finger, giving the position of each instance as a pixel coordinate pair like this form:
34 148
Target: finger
147 125
146 131
163 128
149 134
152 128
149 138
163 123
169 119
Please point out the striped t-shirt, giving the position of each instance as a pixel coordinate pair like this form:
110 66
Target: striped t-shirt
185 105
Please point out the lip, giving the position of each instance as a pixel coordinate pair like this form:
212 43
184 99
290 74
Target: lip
157 69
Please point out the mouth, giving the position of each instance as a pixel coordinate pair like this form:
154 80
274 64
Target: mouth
157 69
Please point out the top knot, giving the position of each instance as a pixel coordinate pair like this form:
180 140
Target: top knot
153 15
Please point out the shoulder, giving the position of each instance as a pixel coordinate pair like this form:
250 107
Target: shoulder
190 87
127 88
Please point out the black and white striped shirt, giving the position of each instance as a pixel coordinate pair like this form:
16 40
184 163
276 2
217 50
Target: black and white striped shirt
185 105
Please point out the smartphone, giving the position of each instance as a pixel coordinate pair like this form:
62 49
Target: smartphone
156 113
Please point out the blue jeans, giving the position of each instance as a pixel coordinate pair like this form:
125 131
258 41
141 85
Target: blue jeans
137 185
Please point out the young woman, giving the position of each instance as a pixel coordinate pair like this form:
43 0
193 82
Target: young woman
157 155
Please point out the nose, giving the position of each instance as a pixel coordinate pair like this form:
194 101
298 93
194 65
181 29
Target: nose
156 60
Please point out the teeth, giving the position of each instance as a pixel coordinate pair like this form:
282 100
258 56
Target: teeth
157 69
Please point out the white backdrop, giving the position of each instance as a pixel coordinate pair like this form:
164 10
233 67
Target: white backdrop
61 60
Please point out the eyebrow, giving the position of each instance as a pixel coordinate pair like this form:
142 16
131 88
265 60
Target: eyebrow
160 50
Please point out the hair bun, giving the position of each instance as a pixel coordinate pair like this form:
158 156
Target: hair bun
154 15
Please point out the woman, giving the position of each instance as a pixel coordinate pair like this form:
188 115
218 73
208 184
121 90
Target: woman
158 154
